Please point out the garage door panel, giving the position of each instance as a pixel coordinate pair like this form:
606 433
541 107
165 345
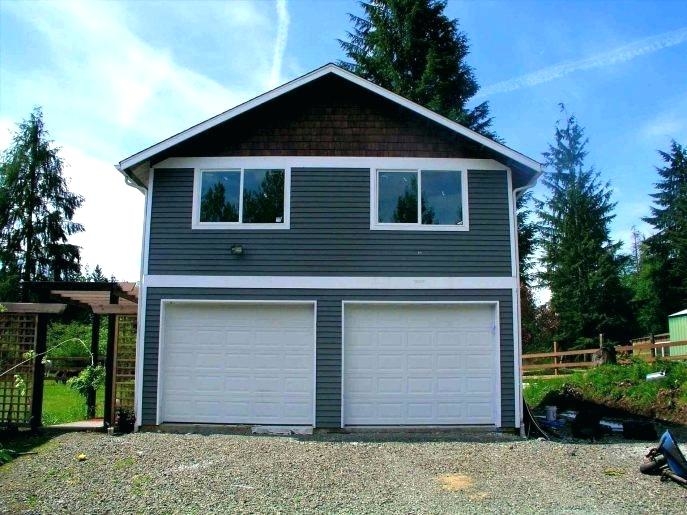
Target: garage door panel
420 363
391 362
439 366
420 385
238 364
390 340
237 384
450 385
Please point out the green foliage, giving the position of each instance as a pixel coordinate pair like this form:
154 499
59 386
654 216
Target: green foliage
74 339
623 386
616 382
580 264
5 456
61 404
36 211
662 283
526 242
412 48
90 378
535 390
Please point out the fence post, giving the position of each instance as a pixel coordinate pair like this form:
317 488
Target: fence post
652 340
555 358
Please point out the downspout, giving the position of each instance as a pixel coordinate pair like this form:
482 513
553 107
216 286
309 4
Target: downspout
518 308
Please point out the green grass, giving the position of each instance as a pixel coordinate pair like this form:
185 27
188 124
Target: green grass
624 386
534 390
61 404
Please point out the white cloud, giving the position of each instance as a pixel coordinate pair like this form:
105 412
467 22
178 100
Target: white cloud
280 44
604 59
668 124
106 72
111 214
107 93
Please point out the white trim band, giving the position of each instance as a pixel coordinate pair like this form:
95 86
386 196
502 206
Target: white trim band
330 282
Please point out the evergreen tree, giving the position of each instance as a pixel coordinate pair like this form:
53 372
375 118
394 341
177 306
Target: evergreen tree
581 265
526 241
666 251
36 211
412 48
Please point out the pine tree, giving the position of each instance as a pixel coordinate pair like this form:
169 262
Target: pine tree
412 48
666 251
36 211
581 265
526 242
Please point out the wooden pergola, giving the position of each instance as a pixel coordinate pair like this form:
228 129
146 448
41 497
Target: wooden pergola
101 299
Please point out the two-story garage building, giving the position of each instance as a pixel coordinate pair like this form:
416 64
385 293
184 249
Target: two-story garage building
329 254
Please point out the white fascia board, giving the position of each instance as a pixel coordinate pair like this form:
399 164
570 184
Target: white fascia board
330 282
309 77
328 162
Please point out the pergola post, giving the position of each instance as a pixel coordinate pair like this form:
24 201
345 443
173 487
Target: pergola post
95 339
39 372
108 414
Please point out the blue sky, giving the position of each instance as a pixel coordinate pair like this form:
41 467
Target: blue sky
116 77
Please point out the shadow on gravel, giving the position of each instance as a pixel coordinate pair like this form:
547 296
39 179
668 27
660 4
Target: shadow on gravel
21 442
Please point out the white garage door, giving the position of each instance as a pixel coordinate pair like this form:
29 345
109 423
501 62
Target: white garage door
237 363
428 364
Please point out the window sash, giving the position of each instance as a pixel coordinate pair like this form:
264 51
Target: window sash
419 224
198 222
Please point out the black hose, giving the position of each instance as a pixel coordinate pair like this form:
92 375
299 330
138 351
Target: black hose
534 421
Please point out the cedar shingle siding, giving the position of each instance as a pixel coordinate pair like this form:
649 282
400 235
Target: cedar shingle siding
328 117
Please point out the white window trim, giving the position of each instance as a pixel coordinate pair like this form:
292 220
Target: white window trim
197 188
430 165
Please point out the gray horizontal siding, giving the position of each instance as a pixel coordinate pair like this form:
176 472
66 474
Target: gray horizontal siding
330 233
328 374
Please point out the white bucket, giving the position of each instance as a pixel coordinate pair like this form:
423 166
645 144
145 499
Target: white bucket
551 413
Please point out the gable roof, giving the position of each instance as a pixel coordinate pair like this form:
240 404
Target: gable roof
514 158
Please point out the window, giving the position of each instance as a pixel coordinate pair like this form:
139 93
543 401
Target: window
419 199
241 198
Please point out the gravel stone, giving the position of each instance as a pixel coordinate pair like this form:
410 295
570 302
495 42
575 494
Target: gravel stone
333 473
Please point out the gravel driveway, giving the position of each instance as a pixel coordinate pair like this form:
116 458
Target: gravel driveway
164 473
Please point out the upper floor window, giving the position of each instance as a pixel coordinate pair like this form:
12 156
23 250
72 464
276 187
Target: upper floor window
419 200
241 198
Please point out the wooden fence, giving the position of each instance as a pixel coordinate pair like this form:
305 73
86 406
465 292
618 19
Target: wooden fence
573 359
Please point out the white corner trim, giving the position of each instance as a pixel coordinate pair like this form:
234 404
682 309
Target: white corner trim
330 282
309 77
240 166
517 357
141 314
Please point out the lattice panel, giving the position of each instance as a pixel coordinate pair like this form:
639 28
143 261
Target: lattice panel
17 337
125 361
